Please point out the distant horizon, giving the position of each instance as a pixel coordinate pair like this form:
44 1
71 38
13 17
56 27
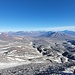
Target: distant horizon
63 28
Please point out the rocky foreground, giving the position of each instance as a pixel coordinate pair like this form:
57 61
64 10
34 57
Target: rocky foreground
38 69
37 56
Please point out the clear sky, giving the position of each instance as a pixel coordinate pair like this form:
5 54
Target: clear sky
26 15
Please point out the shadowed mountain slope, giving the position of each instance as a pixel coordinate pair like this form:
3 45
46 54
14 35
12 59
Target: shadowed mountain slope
58 36
72 33
4 36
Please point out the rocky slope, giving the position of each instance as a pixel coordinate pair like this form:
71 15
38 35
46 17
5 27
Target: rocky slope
37 55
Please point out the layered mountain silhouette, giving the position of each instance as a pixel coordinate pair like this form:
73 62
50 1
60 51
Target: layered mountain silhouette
58 36
72 33
26 33
5 37
61 35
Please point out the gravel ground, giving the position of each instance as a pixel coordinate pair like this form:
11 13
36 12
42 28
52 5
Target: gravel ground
35 69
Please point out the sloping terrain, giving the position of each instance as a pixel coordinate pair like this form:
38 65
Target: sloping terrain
5 36
58 36
71 33
27 55
16 52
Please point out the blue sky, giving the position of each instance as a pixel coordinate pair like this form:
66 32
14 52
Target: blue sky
29 15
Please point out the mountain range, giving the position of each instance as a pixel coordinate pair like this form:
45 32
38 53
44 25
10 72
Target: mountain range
60 35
